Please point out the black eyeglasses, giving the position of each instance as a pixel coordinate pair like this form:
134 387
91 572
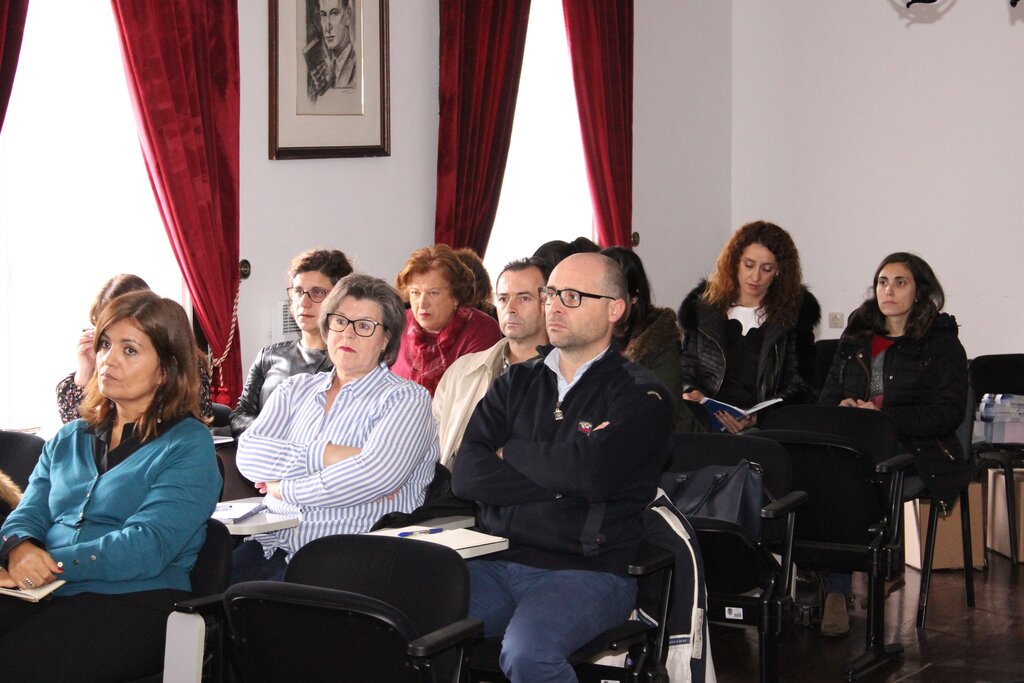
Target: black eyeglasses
364 327
571 298
316 294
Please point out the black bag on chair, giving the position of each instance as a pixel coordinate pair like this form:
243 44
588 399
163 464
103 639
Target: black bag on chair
733 493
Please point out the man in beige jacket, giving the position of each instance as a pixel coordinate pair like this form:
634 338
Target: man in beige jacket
521 318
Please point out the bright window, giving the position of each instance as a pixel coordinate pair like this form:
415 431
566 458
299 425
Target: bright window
76 206
545 195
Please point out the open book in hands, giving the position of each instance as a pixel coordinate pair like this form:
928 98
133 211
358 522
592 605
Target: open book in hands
33 594
713 406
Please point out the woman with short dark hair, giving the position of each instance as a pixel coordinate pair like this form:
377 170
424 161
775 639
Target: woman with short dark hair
116 507
311 277
441 323
901 355
342 447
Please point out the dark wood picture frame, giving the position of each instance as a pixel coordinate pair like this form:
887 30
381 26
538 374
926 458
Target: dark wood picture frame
297 134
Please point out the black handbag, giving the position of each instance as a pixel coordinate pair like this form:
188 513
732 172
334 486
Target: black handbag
734 493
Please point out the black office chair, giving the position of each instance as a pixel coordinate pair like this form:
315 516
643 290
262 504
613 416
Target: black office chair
195 637
19 453
1000 374
746 584
221 416
877 435
852 520
355 608
438 502
824 352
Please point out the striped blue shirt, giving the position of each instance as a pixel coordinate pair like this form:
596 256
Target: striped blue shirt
384 415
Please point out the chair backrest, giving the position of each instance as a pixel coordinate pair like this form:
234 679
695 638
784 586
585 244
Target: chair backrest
871 430
221 416
212 570
19 453
692 451
427 582
845 498
824 352
733 562
292 632
997 374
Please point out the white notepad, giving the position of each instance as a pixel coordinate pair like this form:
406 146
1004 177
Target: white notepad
466 542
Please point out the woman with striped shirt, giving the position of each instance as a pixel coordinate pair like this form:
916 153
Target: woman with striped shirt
344 447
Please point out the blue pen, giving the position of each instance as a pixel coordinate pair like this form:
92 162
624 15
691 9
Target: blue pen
419 532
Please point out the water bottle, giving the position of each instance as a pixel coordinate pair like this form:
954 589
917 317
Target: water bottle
987 408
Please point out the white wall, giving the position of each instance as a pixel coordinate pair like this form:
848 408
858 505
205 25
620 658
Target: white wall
865 128
379 210
375 210
681 140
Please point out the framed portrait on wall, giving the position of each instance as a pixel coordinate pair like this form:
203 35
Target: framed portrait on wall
329 85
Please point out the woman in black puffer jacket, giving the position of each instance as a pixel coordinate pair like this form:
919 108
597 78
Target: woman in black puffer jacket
902 356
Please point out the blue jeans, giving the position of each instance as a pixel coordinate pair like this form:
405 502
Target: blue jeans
249 564
545 614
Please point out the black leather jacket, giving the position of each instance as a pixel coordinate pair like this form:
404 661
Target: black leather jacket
273 365
778 368
924 392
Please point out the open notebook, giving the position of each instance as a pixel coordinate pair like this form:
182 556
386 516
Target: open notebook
33 594
466 542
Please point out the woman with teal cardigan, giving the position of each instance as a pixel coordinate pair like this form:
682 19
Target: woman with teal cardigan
116 507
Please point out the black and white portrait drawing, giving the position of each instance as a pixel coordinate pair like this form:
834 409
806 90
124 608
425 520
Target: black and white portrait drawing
329 70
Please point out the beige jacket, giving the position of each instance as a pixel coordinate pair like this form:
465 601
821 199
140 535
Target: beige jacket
460 389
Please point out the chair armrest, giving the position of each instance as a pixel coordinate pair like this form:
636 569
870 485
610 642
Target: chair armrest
650 559
896 462
208 604
783 506
1003 454
446 637
204 605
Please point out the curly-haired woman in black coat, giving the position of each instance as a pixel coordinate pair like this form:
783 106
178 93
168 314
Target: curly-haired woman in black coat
749 329
901 355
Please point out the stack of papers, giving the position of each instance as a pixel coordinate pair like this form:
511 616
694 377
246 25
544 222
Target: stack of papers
233 513
467 542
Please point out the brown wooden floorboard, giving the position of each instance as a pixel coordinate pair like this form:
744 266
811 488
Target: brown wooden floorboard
983 645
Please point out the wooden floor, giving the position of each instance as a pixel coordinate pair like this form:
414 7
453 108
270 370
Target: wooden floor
983 645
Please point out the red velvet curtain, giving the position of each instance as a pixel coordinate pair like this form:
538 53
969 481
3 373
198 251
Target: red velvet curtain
12 28
600 36
181 61
482 43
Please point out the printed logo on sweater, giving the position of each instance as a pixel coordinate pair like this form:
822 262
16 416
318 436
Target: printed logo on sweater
584 427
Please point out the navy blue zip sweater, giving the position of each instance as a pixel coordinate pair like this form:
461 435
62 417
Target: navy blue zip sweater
567 495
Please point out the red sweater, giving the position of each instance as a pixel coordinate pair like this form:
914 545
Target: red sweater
424 356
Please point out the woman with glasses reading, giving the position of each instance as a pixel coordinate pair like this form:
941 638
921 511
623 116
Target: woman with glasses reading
441 323
346 446
312 275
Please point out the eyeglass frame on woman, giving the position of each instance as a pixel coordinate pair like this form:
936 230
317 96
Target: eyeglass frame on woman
349 321
546 294
296 294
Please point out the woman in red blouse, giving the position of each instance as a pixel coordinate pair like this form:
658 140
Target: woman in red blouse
441 323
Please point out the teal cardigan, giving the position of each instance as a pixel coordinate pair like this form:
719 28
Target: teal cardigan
137 527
